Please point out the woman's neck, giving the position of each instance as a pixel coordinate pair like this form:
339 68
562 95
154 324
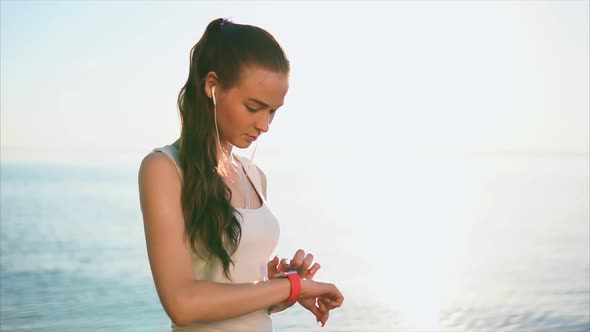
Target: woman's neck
225 151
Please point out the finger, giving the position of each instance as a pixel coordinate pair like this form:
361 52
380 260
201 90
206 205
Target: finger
335 302
312 271
331 303
335 298
326 303
315 310
324 318
285 265
272 267
322 305
273 262
298 259
340 299
305 264
324 311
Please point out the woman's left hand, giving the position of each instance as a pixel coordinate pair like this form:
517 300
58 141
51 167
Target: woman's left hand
302 263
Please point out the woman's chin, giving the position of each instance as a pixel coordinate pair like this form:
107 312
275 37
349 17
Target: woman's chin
242 144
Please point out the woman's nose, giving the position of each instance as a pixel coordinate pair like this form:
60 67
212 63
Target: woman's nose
263 121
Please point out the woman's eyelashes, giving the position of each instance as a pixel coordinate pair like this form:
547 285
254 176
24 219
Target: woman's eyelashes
250 109
254 110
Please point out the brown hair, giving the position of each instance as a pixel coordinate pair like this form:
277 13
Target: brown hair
225 48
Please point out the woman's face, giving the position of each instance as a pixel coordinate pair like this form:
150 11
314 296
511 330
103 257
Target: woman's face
246 110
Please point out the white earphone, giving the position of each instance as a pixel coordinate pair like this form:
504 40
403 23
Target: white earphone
247 169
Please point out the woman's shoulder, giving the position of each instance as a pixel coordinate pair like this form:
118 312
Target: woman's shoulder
159 164
156 158
155 163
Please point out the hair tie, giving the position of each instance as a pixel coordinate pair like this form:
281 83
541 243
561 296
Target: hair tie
225 21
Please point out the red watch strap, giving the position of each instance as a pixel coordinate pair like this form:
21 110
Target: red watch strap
295 287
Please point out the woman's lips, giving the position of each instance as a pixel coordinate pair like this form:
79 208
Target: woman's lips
251 138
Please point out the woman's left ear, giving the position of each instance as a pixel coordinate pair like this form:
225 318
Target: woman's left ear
211 80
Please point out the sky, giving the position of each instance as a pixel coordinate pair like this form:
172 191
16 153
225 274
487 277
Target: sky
88 78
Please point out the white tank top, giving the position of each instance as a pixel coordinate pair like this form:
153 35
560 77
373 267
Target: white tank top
260 234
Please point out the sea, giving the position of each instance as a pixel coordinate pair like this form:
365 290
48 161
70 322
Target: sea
481 242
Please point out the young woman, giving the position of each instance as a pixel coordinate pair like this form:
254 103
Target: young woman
209 231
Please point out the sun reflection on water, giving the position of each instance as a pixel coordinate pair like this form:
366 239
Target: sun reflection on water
421 244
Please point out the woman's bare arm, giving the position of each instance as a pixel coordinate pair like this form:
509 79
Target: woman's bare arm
185 299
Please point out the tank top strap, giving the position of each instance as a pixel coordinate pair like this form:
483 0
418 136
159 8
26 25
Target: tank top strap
172 153
253 173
